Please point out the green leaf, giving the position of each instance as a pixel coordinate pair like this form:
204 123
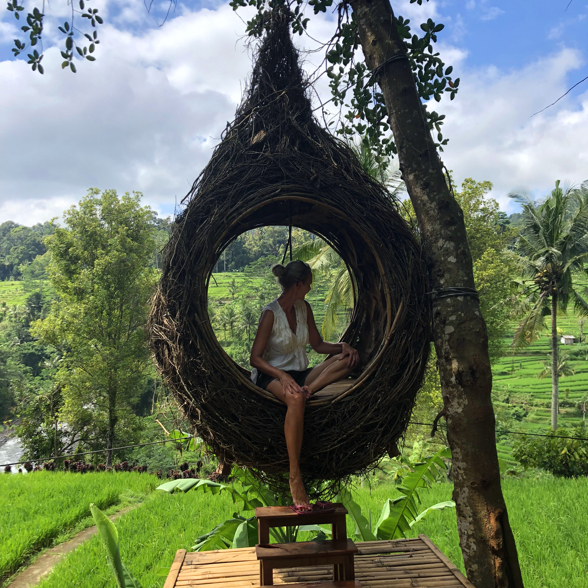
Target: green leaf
438 506
109 536
354 511
221 537
69 43
72 67
243 537
90 58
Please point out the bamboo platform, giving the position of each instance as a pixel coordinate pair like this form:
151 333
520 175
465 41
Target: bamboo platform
404 563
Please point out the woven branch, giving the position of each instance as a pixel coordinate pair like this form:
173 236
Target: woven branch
275 158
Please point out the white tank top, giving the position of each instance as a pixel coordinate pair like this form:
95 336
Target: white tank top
286 350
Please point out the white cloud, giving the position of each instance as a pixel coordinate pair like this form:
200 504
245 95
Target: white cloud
491 12
146 115
492 135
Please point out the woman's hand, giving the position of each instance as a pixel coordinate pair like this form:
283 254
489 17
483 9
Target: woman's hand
289 385
352 355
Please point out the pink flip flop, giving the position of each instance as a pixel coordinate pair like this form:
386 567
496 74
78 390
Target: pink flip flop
320 506
301 508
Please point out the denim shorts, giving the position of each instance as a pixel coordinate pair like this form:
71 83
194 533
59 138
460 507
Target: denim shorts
299 377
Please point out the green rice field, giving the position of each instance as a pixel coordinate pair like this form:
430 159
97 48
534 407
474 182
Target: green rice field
522 401
37 508
545 515
12 293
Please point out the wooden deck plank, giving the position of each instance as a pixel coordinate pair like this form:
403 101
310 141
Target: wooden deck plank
175 569
406 563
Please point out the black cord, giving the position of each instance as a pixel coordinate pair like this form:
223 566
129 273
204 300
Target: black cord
378 70
513 432
91 452
185 438
454 291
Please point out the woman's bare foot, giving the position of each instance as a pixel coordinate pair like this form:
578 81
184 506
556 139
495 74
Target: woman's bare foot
299 495
307 391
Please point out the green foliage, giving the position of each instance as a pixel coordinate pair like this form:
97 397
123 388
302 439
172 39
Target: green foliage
353 86
400 514
564 367
566 458
397 517
553 243
20 246
100 270
109 536
22 358
239 531
34 30
36 508
495 268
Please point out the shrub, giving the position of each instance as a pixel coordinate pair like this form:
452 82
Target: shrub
566 458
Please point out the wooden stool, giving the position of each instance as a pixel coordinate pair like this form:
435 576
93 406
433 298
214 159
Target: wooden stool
283 516
338 553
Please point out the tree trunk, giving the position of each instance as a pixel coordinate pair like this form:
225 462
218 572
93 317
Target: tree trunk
111 427
460 336
554 361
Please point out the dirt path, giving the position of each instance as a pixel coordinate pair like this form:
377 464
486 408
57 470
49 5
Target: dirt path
32 575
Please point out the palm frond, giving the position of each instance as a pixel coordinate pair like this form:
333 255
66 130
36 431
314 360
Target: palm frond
339 297
580 304
529 328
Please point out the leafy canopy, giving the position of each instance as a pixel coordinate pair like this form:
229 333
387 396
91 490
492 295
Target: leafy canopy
101 271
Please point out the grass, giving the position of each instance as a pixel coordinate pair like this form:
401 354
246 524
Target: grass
44 508
545 515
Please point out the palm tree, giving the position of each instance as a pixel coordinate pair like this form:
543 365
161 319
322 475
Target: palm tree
321 257
564 367
554 244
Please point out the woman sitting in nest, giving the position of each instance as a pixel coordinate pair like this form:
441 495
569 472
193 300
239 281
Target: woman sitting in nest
279 357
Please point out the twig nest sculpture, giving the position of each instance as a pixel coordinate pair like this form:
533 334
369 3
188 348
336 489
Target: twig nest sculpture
276 164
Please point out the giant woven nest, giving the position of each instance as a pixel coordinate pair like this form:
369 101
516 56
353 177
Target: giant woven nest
276 165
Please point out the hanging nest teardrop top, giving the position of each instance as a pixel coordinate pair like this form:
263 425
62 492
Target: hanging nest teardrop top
274 161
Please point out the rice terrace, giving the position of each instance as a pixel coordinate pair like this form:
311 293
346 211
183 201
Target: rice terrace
293 293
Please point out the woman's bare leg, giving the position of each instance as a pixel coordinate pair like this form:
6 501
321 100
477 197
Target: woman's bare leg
293 430
331 370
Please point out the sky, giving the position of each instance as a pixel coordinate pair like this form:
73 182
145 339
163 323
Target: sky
146 115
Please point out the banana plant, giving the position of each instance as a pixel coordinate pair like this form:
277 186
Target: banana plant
400 514
239 531
109 536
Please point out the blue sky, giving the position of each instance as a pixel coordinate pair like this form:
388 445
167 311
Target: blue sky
146 115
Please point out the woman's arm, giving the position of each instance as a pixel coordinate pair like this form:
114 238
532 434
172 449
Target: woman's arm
320 346
256 358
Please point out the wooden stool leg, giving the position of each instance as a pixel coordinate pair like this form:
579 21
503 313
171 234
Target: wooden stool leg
266 574
349 569
338 573
338 528
262 532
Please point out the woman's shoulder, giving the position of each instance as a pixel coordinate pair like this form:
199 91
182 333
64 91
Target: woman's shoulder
302 305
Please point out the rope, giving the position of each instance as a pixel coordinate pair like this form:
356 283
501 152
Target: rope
289 243
378 70
455 291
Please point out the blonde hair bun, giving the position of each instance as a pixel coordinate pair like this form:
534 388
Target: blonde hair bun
278 270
